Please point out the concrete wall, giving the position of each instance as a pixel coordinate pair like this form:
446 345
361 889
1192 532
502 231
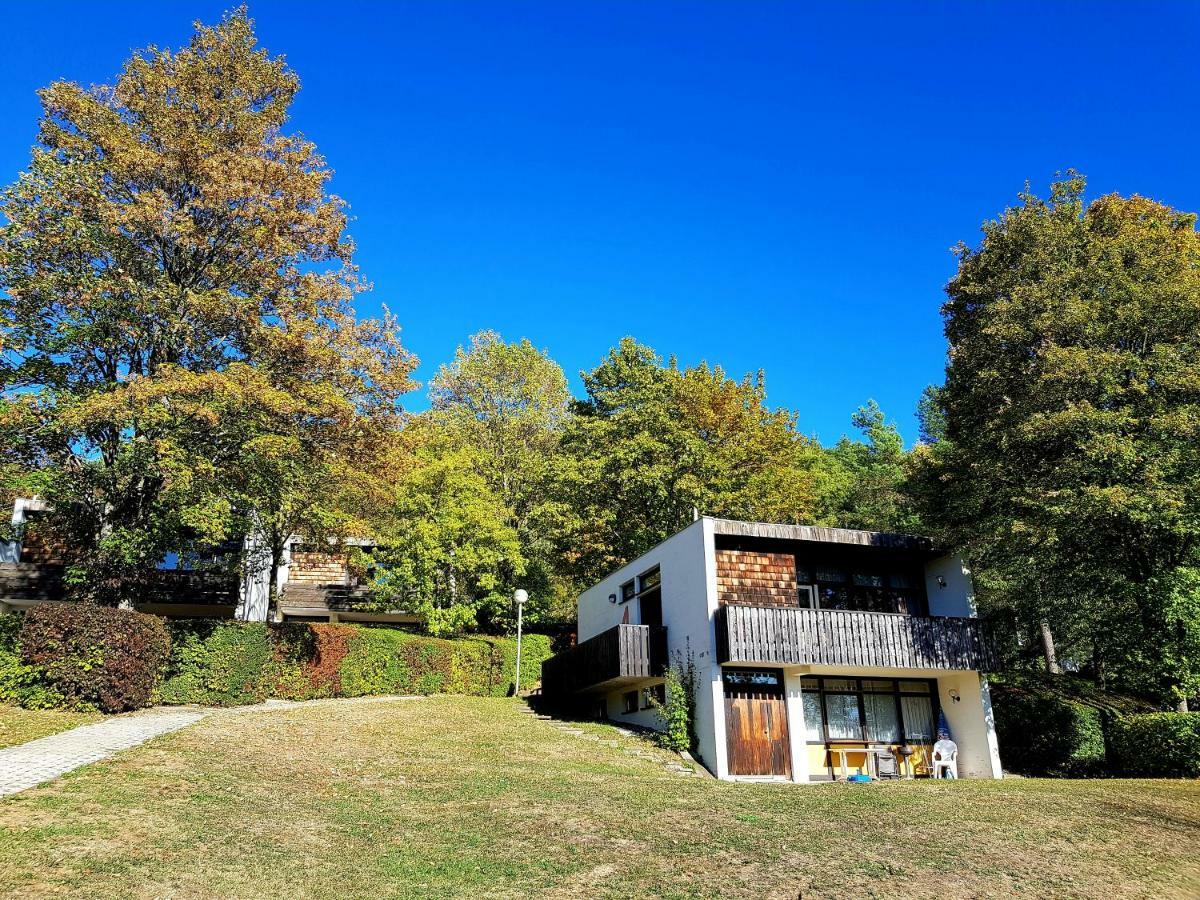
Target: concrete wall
967 705
687 564
957 598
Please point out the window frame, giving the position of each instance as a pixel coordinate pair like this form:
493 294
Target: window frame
896 693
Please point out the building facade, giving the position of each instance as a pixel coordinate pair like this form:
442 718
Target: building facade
819 652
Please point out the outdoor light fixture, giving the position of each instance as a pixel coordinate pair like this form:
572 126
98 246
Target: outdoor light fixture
612 598
520 597
941 580
955 696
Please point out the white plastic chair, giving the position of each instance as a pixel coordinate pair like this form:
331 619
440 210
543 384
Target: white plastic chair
945 759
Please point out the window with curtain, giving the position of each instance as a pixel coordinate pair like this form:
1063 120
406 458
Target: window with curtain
813 720
883 724
918 718
841 717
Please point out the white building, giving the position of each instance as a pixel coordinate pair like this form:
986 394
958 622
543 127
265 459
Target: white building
818 650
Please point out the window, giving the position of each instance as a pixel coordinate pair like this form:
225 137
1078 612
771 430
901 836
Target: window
836 585
654 694
841 717
628 592
629 702
885 710
918 718
814 720
649 580
883 722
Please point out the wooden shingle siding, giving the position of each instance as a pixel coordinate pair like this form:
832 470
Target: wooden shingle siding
766 634
315 567
749 576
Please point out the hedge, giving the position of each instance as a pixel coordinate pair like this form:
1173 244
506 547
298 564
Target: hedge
113 659
1047 729
94 656
1157 745
229 663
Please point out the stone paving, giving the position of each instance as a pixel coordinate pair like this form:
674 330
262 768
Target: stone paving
30 764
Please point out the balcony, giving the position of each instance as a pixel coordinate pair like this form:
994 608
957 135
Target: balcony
827 637
623 655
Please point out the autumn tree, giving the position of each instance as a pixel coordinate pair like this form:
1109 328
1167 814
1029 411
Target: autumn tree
507 403
652 445
167 230
1070 463
450 551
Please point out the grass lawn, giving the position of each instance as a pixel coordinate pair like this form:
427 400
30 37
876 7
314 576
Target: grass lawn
20 725
451 796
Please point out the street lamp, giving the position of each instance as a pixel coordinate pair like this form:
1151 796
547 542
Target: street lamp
520 597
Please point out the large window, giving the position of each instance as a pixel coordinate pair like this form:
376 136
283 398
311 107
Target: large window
880 710
862 589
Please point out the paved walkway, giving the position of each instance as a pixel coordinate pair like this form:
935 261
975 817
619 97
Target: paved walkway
26 765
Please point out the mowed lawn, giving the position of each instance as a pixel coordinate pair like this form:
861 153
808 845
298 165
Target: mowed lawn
452 796
20 725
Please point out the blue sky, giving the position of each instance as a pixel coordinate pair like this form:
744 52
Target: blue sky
762 185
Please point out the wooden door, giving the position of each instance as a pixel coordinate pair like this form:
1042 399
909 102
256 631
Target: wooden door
756 724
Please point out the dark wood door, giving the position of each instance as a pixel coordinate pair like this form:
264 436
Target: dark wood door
757 729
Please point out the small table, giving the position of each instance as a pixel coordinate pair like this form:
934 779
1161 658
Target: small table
863 749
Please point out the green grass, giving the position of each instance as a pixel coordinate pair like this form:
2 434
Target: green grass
20 725
466 797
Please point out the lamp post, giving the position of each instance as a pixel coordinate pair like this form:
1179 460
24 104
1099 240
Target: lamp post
520 597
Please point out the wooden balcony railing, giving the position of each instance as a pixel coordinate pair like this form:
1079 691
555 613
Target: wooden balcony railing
622 655
792 636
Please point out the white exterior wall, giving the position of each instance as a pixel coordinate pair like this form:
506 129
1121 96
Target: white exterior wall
972 725
688 567
957 598
795 717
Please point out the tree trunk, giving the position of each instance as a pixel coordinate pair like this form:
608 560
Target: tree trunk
1182 705
1052 666
273 613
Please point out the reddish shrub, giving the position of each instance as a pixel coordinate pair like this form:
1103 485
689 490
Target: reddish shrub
324 668
96 656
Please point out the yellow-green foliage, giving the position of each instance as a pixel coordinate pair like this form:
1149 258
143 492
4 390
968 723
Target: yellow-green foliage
232 663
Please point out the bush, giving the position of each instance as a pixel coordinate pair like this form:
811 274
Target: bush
93 656
535 649
217 663
386 661
1157 745
21 684
1042 732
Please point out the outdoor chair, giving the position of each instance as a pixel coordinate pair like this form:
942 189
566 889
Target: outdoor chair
886 765
945 759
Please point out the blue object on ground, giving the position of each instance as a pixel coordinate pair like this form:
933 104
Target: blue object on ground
859 779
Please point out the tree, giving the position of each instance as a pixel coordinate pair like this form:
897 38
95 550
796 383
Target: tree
653 445
169 228
449 548
1070 468
872 477
507 403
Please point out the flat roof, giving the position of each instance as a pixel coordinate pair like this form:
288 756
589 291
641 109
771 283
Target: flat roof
818 534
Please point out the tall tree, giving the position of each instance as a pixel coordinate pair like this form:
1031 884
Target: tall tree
652 445
507 404
1070 466
168 227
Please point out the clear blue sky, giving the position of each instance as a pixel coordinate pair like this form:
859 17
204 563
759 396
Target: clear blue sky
762 185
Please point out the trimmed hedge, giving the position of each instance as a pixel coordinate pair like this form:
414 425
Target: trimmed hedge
1157 745
230 663
115 660
94 656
